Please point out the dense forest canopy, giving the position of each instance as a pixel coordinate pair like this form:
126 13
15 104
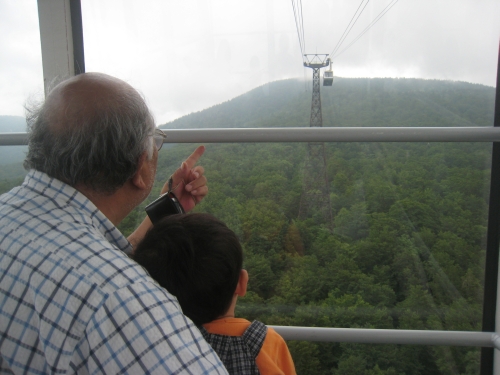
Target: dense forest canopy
405 246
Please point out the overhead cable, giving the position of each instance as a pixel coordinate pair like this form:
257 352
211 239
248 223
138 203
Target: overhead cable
351 24
299 23
384 11
302 21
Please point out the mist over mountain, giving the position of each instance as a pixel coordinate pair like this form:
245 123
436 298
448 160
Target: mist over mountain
12 154
12 124
348 102
359 102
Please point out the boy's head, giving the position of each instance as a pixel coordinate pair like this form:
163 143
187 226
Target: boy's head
197 258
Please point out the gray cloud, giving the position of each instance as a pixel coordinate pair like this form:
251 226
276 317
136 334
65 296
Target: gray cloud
187 56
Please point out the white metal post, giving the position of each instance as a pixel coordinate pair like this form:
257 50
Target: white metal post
56 40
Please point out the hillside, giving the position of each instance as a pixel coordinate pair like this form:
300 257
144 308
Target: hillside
406 250
409 219
349 102
10 155
12 124
352 102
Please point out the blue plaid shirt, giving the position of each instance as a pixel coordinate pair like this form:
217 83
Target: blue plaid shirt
71 301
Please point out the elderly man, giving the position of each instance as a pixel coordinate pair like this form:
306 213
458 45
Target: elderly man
71 300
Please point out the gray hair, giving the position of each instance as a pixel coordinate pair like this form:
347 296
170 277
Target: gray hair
101 150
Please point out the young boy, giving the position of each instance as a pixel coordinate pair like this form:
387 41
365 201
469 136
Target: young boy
197 258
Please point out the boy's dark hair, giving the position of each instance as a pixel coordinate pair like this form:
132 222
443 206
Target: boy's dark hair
198 259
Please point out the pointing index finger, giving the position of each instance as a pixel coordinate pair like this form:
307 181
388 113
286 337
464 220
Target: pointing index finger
194 157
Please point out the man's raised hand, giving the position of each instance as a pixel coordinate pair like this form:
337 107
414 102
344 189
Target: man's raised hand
188 182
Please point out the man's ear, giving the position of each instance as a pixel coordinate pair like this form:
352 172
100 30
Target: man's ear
241 288
140 177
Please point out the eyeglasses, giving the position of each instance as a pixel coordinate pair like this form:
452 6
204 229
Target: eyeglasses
159 138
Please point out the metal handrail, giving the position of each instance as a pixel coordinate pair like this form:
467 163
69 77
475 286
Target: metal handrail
313 134
390 336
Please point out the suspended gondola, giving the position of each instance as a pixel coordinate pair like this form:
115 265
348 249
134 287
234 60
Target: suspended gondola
328 75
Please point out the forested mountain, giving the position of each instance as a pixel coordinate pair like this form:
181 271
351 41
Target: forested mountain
12 124
12 154
352 102
349 102
405 248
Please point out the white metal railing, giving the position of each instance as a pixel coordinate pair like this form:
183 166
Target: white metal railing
313 134
390 336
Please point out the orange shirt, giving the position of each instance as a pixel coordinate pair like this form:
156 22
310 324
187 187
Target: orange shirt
274 357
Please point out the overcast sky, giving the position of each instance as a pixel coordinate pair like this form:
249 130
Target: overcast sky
188 55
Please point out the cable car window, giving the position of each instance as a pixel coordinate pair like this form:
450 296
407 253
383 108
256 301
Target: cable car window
374 235
21 79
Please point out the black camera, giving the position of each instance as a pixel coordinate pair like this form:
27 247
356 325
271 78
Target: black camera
166 204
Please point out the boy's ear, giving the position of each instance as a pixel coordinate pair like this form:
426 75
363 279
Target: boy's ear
241 288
